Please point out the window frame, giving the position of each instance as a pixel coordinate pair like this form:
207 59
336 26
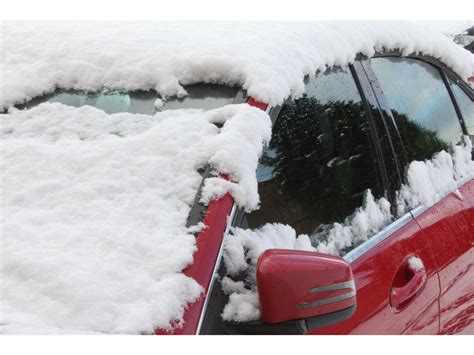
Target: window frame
444 71
396 141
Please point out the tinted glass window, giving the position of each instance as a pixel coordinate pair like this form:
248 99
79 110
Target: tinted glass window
319 162
201 96
420 103
465 105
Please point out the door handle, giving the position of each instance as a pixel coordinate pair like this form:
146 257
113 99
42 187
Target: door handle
400 296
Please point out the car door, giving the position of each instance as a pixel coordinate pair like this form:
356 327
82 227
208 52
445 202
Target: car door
325 153
448 225
455 260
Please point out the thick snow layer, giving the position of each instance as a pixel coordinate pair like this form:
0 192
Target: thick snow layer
270 60
94 210
235 152
428 182
449 28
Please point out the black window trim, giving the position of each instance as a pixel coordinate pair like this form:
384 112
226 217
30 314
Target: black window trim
382 123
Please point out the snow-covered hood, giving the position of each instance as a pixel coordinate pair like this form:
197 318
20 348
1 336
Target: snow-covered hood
269 60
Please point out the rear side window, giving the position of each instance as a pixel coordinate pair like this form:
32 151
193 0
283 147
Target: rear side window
465 105
320 160
420 103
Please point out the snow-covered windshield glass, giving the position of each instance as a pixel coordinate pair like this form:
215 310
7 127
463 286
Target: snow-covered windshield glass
200 96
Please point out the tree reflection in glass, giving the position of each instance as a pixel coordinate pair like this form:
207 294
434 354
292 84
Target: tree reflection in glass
320 161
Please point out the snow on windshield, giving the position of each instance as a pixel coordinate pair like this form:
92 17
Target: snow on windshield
94 209
269 60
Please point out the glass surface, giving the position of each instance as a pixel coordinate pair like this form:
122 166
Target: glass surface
201 96
319 162
420 103
465 105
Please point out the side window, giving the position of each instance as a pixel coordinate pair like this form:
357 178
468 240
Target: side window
420 103
465 105
320 161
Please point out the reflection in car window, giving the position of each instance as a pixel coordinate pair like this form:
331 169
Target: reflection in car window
201 96
420 103
465 105
319 162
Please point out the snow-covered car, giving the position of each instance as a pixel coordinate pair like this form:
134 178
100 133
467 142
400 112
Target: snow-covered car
250 178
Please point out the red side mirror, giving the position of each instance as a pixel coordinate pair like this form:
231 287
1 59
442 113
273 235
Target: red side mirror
295 284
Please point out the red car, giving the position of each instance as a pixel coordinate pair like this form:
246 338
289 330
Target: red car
374 288
376 134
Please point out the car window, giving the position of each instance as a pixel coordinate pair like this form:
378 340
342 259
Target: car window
465 105
200 96
420 103
319 162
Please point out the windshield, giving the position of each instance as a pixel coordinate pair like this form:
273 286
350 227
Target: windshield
201 96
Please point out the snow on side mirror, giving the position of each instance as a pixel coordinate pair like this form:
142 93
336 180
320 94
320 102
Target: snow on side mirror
294 284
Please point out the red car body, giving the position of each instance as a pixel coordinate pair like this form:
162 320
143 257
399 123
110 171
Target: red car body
440 300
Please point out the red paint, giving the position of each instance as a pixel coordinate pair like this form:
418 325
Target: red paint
255 103
375 276
208 242
285 278
449 225
443 238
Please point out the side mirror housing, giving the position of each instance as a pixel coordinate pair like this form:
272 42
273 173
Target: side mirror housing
295 285
300 291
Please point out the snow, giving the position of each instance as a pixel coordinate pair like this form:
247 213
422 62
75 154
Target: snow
235 152
94 210
427 182
269 60
415 263
158 104
360 226
448 28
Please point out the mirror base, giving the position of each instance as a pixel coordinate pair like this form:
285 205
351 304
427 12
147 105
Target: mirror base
292 327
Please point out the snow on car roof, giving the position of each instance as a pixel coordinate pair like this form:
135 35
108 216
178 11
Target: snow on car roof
94 205
269 60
